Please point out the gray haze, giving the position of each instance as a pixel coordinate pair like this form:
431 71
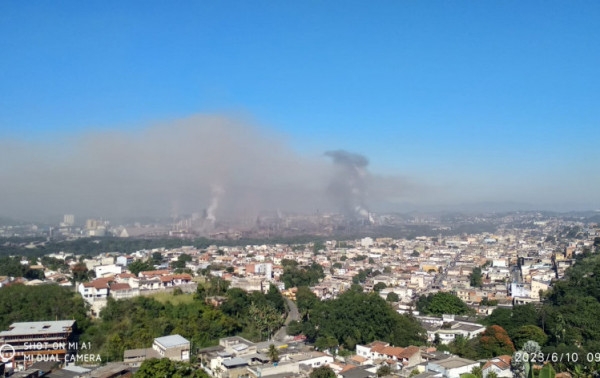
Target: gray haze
217 165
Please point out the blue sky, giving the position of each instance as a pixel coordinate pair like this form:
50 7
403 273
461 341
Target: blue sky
498 96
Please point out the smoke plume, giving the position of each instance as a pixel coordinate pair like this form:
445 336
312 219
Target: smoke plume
179 167
349 183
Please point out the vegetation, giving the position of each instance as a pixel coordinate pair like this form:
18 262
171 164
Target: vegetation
81 273
392 297
475 278
273 353
295 276
495 342
20 303
166 297
134 323
322 372
441 303
384 370
140 266
355 317
362 275
566 322
94 245
12 267
528 333
181 261
318 246
160 368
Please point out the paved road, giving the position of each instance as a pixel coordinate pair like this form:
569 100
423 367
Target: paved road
292 315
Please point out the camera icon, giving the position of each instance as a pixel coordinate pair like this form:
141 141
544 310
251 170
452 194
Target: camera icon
7 349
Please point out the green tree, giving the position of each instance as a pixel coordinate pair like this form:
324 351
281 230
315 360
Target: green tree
477 371
322 372
275 299
140 266
383 371
475 278
392 297
115 348
273 353
295 276
237 303
160 368
265 318
294 328
318 246
155 368
379 286
529 332
20 303
80 272
157 258
326 342
441 303
464 347
361 318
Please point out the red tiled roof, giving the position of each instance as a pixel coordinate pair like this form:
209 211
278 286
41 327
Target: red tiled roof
377 346
119 286
161 272
408 352
392 351
127 275
502 362
99 283
184 276
359 359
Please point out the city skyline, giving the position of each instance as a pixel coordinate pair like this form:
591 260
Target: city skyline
158 108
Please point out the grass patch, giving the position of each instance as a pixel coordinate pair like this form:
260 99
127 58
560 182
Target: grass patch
174 299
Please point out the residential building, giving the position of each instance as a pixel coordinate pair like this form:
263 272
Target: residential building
29 342
452 367
173 347
499 365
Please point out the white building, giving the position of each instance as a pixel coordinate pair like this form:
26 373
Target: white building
499 365
173 347
69 219
452 367
366 242
107 270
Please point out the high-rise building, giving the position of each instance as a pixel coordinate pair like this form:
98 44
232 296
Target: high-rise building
69 219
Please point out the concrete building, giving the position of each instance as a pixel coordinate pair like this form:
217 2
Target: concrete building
452 367
69 219
107 270
173 347
30 342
